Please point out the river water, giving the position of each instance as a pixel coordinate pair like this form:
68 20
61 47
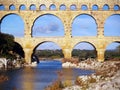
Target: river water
39 77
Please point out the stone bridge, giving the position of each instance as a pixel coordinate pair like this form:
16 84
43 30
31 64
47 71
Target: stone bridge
67 42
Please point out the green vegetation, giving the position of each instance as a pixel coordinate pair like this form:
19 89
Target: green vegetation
80 54
49 54
8 48
110 54
84 54
6 45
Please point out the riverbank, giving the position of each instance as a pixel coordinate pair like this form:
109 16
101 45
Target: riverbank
107 76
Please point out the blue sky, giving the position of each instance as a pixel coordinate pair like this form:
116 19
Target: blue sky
13 24
50 25
84 25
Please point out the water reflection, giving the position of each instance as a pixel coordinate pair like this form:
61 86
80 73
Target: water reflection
39 77
27 79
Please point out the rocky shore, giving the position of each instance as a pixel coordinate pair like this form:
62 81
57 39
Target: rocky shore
107 76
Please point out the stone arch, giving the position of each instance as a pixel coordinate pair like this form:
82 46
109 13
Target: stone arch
52 7
42 7
2 7
51 45
110 42
73 7
95 7
20 20
32 7
105 7
56 43
79 19
112 51
112 24
116 7
22 7
62 7
90 49
84 7
12 7
92 44
47 24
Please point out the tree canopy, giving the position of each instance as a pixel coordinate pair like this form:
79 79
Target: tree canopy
6 44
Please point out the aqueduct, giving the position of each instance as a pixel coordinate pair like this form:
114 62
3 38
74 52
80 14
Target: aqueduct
67 42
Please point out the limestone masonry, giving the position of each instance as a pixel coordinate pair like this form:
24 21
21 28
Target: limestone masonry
67 42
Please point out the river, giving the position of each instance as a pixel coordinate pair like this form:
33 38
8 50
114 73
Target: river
39 77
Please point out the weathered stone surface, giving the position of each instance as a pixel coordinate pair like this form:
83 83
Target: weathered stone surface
67 42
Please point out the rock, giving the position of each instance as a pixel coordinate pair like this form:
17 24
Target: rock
107 76
66 65
34 64
76 87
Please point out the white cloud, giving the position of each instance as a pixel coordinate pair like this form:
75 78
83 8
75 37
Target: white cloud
46 29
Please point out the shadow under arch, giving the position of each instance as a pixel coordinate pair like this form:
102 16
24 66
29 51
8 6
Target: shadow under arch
83 25
84 50
112 25
47 25
18 23
47 50
18 50
112 51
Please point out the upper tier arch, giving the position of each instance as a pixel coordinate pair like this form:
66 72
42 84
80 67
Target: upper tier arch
67 3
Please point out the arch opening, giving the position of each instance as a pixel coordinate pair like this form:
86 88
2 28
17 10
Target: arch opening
112 25
52 7
32 7
116 7
88 27
12 24
2 7
47 25
47 51
62 7
42 7
22 7
12 7
73 7
95 7
84 7
105 7
83 51
113 51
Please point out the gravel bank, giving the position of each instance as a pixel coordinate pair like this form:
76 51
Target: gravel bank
107 76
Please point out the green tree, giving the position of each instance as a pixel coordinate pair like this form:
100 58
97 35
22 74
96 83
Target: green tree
6 44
